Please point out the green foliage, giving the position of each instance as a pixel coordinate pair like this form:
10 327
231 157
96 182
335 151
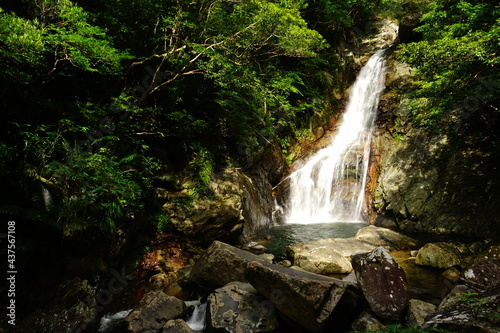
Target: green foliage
341 15
479 308
243 47
261 28
457 62
470 298
399 9
164 222
203 167
88 188
59 38
100 95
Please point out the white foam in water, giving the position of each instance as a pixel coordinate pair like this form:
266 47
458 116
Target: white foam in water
110 321
197 320
330 187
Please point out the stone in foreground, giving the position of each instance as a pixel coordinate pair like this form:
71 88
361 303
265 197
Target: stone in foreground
473 312
315 302
417 312
238 307
153 311
383 283
367 322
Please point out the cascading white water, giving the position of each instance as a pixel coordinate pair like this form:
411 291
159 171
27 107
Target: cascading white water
111 321
197 320
330 186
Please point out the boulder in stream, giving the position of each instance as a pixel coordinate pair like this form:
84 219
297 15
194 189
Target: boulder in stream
451 274
238 307
345 246
313 301
154 310
383 283
484 273
222 263
440 255
323 260
389 239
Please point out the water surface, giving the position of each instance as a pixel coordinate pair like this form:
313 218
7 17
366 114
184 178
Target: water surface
285 235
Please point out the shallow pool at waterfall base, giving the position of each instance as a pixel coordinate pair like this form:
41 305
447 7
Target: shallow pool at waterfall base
285 235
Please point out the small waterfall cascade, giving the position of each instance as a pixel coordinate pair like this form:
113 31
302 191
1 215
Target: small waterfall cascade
112 321
330 186
197 320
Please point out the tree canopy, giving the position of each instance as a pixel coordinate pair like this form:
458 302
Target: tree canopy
99 97
457 61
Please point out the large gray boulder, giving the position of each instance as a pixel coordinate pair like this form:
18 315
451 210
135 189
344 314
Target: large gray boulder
440 255
220 264
313 301
327 256
409 172
389 239
449 254
383 283
345 246
323 260
153 311
208 220
483 274
238 307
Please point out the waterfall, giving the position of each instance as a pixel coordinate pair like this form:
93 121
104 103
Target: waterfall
111 321
197 320
330 186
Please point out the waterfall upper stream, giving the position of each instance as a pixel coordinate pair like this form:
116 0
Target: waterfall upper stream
330 187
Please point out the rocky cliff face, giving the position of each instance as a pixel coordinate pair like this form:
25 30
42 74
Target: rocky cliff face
434 181
239 205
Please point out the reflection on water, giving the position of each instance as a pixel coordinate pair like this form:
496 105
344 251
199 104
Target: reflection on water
283 236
